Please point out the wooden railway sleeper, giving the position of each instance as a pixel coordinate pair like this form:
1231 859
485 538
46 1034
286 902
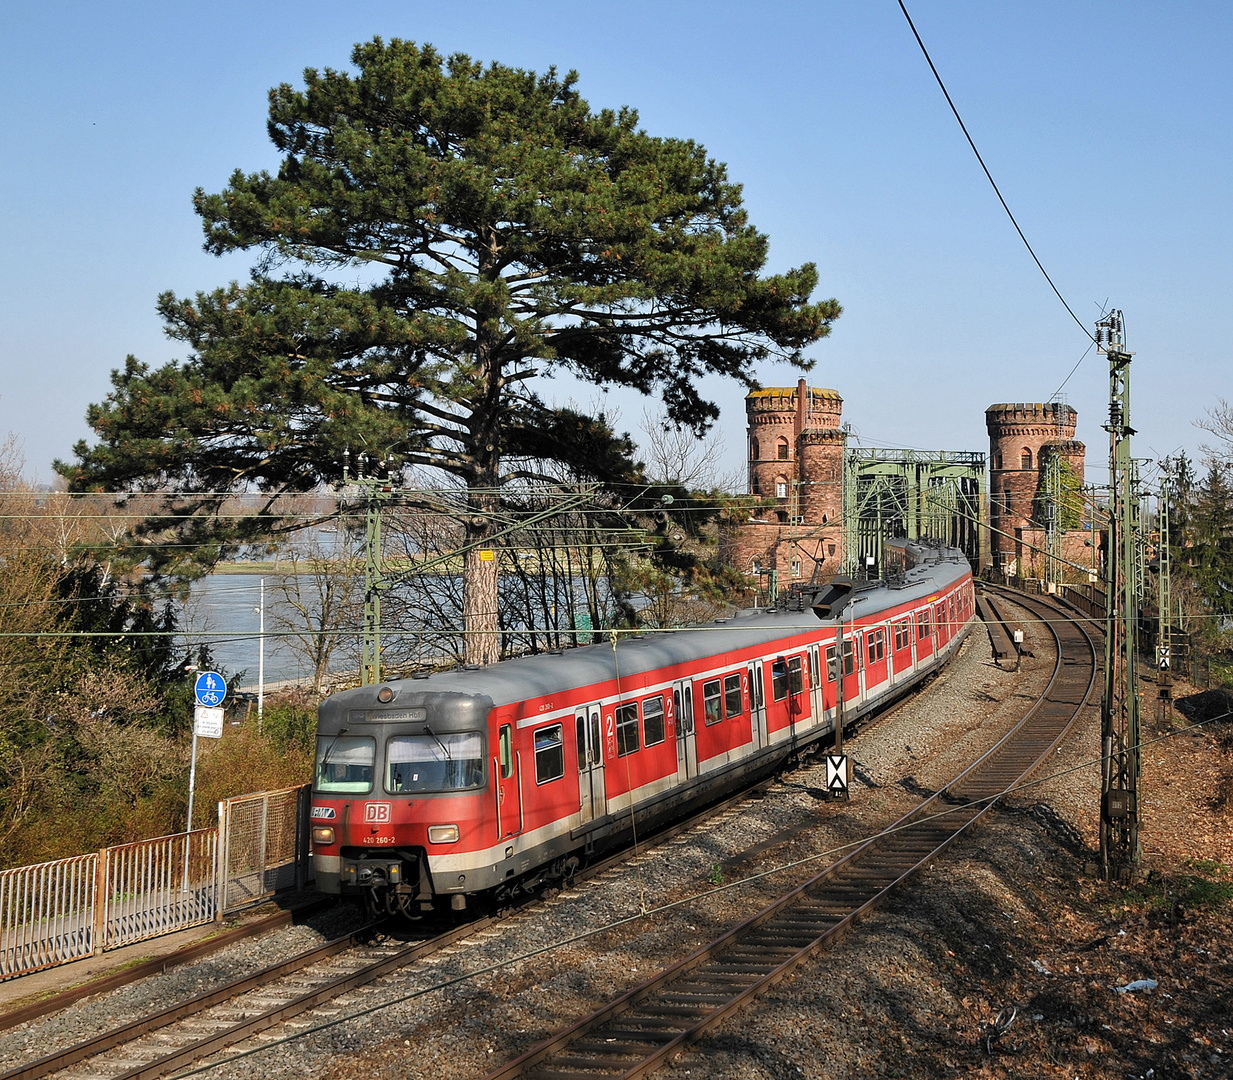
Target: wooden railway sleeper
557 1074
592 1048
648 1036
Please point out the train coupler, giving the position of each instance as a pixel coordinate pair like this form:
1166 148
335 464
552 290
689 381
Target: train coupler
371 873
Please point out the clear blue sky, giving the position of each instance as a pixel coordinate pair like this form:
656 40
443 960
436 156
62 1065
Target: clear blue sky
1107 126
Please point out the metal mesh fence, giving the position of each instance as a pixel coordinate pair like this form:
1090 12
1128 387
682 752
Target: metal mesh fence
265 845
54 912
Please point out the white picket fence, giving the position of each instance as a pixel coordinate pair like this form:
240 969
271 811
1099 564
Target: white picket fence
55 912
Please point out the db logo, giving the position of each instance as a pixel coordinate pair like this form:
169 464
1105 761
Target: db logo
377 813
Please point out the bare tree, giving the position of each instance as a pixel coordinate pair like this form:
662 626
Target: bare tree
319 604
675 456
1219 422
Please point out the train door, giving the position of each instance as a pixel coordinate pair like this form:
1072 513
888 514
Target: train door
588 727
853 676
506 782
875 656
924 633
757 705
901 655
815 685
683 722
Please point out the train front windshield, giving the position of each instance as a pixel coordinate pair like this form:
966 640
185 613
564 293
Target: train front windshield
450 761
344 764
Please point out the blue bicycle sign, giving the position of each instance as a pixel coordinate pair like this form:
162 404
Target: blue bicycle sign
210 688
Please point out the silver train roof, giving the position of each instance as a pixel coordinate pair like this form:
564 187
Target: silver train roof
515 680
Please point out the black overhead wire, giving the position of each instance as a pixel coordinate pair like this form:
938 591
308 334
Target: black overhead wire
1091 345
992 182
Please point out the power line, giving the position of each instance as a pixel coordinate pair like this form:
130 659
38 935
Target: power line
992 182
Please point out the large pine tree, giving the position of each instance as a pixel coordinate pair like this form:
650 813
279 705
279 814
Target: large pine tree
440 234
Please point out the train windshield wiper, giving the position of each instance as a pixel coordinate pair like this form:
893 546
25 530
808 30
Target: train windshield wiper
325 758
446 749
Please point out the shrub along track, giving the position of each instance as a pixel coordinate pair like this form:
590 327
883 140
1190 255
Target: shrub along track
652 1023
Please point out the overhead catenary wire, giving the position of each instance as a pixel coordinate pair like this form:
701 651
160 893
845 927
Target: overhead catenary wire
993 183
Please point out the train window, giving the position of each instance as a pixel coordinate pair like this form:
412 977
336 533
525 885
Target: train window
922 624
733 704
448 761
653 721
711 707
779 679
903 634
832 664
849 657
344 764
814 677
580 731
549 754
505 751
796 681
597 744
627 729
875 645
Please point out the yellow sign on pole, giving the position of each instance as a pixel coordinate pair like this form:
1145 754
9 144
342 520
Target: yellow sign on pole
487 555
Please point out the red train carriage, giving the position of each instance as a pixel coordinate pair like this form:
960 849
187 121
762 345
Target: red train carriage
466 782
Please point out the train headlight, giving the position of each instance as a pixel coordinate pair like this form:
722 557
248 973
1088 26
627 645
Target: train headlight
323 834
443 834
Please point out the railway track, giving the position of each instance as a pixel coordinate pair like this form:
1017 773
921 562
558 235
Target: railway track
207 1025
652 1023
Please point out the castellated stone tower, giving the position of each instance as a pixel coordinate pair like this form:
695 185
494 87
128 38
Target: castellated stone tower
1023 437
796 462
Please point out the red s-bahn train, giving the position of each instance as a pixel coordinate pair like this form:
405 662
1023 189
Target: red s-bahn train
437 789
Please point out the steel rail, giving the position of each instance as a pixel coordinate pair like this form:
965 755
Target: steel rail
158 965
207 999
267 1018
656 1020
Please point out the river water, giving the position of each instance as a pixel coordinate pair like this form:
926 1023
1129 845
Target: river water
223 611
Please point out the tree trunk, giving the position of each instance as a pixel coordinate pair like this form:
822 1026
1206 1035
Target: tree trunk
479 594
479 602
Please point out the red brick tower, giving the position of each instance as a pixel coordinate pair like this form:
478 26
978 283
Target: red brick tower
1022 438
795 461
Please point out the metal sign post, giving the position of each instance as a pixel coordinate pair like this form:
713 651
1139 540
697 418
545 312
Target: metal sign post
210 690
